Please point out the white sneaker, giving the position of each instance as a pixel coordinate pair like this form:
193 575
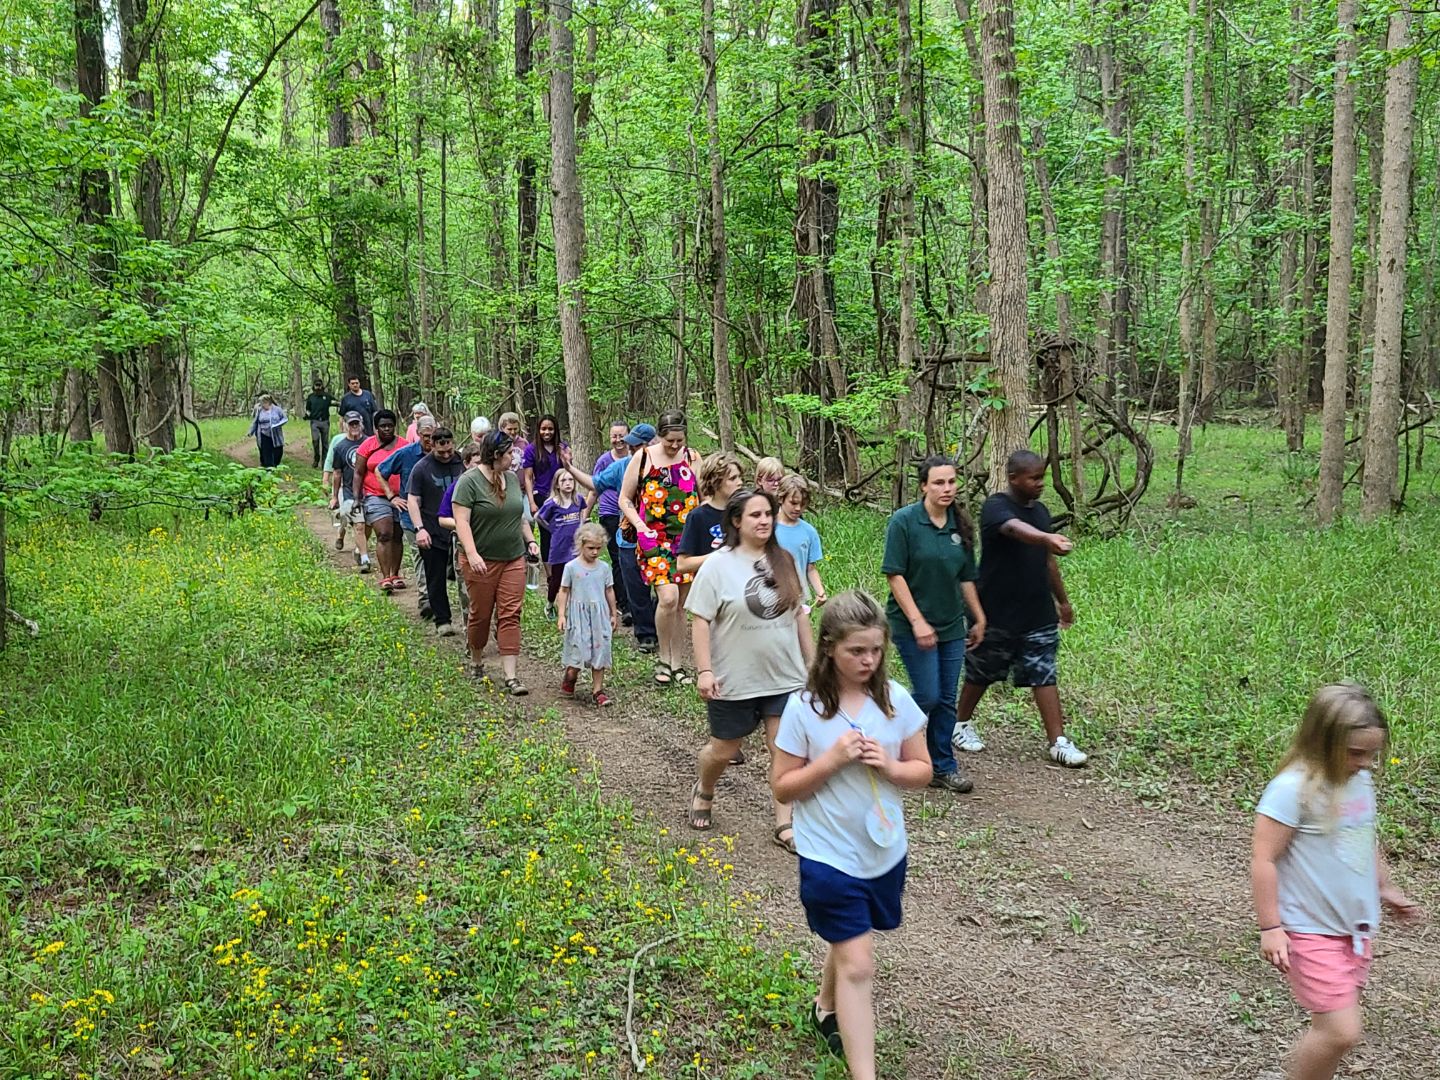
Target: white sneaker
1065 752
967 738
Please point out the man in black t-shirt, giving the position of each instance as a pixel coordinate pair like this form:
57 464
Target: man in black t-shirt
1026 606
429 479
361 401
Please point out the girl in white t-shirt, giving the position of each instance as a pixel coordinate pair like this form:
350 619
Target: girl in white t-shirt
843 749
1317 875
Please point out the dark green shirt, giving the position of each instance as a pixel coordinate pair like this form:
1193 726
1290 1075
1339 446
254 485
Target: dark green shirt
495 524
933 563
317 406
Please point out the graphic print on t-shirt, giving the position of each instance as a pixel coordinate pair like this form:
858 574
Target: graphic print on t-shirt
1355 835
761 596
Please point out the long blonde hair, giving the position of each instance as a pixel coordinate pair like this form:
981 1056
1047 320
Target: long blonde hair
1321 746
846 614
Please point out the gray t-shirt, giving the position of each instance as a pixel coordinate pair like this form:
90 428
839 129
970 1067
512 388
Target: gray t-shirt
830 825
754 647
1329 882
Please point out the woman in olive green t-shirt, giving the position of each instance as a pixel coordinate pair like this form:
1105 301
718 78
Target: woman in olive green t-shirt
495 538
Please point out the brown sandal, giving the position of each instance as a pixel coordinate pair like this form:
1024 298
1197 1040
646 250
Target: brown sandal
701 817
788 845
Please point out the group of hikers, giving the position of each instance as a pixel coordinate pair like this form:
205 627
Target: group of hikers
686 535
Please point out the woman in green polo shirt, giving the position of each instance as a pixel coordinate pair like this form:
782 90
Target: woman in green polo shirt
930 563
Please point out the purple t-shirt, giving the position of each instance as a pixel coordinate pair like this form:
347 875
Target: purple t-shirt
447 502
544 476
563 522
609 504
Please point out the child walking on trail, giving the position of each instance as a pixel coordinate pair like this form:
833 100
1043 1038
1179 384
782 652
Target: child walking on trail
560 515
798 536
1317 874
588 614
845 745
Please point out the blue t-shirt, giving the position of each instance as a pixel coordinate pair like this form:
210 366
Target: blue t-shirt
402 461
803 543
609 479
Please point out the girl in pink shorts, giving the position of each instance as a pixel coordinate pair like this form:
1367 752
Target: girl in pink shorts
1317 874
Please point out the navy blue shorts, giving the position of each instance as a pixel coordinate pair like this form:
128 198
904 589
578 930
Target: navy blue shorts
1030 658
839 907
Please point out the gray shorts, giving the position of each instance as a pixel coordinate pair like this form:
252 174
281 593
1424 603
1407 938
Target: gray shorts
378 509
349 513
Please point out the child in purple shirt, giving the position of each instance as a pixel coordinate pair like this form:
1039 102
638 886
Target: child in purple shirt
561 515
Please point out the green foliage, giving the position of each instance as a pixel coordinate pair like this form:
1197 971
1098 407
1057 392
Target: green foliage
267 829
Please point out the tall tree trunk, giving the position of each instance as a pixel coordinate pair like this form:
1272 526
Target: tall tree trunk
719 253
1329 502
1112 327
1189 276
1381 449
1209 228
157 399
344 250
420 59
908 336
77 406
96 209
1009 242
527 215
567 214
1289 361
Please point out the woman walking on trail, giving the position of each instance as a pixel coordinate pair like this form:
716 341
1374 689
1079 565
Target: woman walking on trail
491 526
1317 875
267 428
844 747
588 616
539 463
930 564
751 642
656 497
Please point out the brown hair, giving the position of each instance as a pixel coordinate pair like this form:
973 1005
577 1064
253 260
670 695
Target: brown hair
712 471
1321 746
783 577
962 517
492 447
794 483
851 611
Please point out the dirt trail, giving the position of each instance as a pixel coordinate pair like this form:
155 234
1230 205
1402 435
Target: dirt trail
1055 925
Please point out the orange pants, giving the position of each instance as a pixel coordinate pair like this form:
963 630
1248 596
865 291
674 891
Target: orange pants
498 593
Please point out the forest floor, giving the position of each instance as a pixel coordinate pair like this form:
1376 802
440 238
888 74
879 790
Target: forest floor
1058 924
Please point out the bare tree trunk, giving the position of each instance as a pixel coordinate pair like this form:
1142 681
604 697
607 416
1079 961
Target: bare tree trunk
527 214
156 399
1112 331
908 337
1381 448
1009 243
1189 278
1064 323
96 209
1209 228
567 213
1288 360
77 406
719 253
1329 502
420 59
343 246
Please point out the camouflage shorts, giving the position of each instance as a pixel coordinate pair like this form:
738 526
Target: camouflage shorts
1029 658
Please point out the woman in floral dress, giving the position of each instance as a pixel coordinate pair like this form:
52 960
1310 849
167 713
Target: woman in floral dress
656 496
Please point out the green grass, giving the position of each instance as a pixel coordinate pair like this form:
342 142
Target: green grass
254 825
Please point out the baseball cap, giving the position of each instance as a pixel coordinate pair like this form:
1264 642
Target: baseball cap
640 435
353 417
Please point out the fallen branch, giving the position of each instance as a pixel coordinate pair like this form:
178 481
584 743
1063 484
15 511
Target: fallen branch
635 1058
31 626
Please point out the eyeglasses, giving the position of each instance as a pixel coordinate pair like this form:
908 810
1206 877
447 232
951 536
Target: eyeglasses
766 574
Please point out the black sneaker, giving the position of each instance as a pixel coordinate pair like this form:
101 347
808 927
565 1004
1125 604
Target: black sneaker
626 619
828 1028
957 782
648 645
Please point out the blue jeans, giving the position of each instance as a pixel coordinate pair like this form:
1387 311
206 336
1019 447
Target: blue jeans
935 681
642 602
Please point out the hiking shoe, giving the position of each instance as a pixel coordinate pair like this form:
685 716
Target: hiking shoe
364 561
626 619
446 630
956 781
967 738
828 1028
425 612
1066 753
648 645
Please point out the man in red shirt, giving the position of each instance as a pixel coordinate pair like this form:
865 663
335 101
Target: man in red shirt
382 510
